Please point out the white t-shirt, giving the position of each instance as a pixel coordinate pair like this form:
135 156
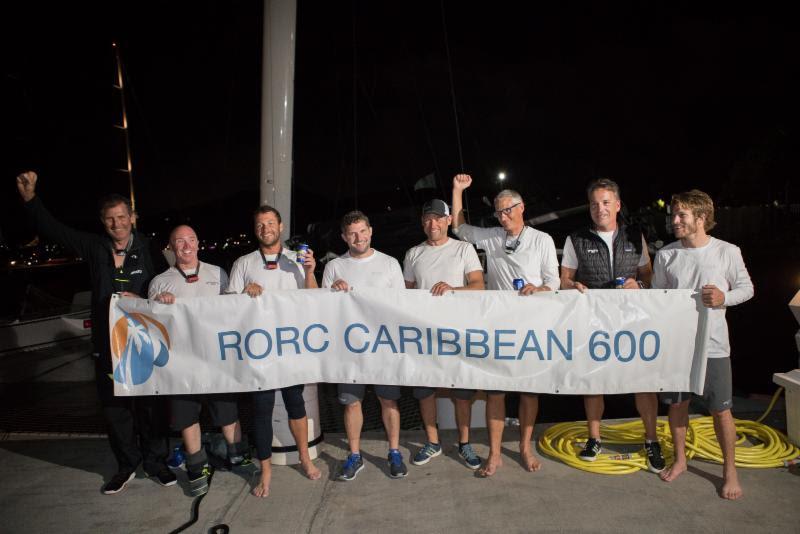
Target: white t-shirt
718 263
534 259
569 258
376 270
212 280
450 262
250 268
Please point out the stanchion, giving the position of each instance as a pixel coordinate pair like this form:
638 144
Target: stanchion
284 449
446 410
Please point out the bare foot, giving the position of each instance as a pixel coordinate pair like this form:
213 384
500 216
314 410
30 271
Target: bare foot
262 488
672 472
310 469
490 466
730 487
529 461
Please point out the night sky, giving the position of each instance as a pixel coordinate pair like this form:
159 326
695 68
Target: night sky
658 99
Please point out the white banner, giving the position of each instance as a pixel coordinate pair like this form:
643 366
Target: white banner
604 341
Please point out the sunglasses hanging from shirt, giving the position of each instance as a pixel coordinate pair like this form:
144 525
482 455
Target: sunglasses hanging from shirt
270 265
190 278
511 248
123 251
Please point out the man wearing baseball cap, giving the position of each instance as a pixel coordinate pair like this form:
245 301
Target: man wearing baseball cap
443 265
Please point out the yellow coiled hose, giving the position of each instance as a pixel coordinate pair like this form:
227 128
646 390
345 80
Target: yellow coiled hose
770 448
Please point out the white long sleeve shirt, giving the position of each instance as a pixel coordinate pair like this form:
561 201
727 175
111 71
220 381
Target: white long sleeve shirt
718 263
533 259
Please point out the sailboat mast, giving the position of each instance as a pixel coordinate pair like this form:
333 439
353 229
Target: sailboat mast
277 106
120 86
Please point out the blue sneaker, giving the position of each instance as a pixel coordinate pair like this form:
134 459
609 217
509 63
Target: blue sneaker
178 459
469 456
397 469
428 451
351 467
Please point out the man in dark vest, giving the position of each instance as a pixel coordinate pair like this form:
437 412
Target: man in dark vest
596 258
122 262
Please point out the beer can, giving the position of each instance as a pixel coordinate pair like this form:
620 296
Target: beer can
302 247
519 283
619 282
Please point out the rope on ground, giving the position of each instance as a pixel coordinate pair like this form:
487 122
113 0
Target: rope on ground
757 446
195 510
222 528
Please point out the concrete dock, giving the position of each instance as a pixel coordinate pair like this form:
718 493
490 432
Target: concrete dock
52 480
53 485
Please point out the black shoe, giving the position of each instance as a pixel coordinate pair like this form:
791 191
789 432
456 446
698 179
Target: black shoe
655 460
118 482
243 465
166 477
198 482
590 451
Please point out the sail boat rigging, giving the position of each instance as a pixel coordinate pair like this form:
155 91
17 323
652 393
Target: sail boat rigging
122 126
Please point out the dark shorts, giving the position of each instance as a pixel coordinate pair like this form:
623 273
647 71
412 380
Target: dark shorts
495 392
718 389
351 393
460 394
186 410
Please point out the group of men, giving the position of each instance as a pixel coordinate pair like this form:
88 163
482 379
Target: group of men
593 257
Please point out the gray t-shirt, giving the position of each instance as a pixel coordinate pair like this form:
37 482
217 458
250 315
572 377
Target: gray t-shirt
250 268
451 262
376 270
211 281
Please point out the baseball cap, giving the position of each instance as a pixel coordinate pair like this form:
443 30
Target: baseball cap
439 207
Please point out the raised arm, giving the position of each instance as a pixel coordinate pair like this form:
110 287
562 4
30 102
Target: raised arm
46 225
26 185
460 182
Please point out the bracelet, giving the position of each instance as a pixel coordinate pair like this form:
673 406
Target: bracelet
641 284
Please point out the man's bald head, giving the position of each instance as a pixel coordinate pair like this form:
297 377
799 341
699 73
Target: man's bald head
183 242
181 230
